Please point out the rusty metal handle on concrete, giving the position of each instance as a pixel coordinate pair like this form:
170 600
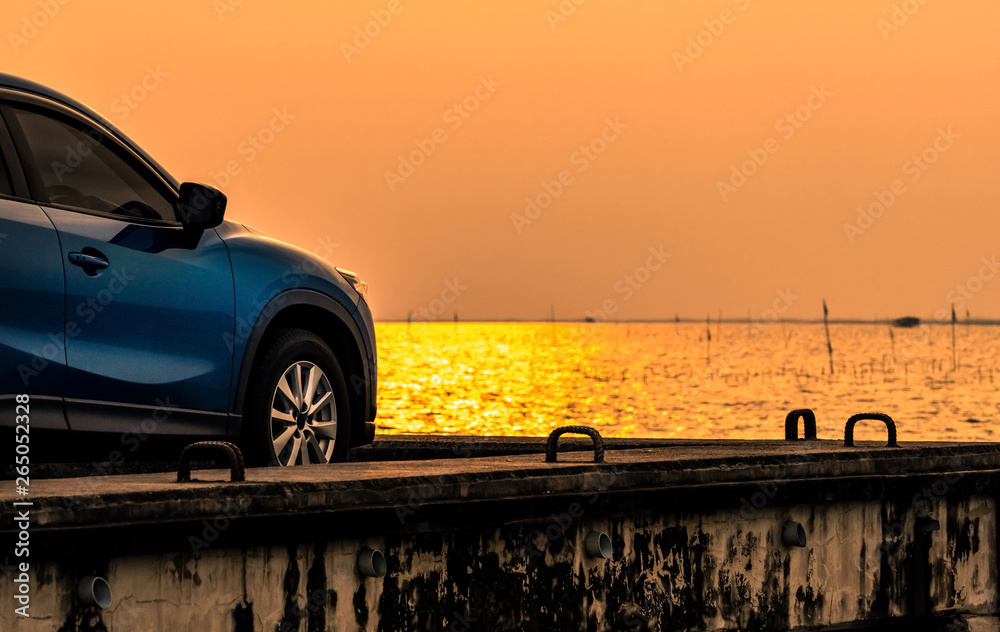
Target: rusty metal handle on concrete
889 423
551 446
792 424
236 473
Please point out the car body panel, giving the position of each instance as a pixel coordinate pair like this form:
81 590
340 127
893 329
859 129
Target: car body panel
300 270
271 276
363 316
32 337
152 326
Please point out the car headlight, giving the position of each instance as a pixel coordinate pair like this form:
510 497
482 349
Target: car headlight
359 286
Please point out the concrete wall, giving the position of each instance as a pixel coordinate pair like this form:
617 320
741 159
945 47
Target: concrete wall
724 569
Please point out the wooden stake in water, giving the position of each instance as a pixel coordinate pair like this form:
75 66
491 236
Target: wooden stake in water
954 351
892 339
708 333
826 325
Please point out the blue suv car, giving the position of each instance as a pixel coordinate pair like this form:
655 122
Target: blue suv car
132 307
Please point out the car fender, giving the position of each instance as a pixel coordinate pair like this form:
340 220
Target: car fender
280 304
271 278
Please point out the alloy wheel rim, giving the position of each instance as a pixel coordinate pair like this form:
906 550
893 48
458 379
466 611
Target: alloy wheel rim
303 416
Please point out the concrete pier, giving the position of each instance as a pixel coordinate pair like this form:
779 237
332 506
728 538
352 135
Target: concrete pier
704 535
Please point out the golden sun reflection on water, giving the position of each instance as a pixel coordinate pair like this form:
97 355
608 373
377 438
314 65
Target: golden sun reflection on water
662 380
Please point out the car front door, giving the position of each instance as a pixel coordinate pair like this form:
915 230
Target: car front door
149 305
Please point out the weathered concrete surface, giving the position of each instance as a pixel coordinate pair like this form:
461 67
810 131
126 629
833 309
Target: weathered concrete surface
496 543
389 448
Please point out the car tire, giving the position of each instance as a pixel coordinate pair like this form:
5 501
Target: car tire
296 408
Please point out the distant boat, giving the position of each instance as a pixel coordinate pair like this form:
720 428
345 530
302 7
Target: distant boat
906 321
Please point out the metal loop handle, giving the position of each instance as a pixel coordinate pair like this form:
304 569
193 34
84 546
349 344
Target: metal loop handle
792 424
552 445
236 468
889 424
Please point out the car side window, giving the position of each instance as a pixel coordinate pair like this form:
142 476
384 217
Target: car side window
6 188
79 167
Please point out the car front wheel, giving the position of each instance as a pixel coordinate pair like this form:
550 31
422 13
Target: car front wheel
297 411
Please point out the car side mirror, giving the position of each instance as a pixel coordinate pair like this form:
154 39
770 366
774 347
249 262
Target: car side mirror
200 206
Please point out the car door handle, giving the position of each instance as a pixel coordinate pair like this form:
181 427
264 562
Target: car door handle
88 261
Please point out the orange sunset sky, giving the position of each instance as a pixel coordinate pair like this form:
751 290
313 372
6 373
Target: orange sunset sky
409 153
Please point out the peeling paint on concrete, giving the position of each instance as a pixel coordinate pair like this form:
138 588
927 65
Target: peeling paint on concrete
672 572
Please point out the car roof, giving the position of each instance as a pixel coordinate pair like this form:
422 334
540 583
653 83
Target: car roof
25 85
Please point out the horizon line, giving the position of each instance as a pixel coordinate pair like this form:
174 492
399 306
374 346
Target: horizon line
732 321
